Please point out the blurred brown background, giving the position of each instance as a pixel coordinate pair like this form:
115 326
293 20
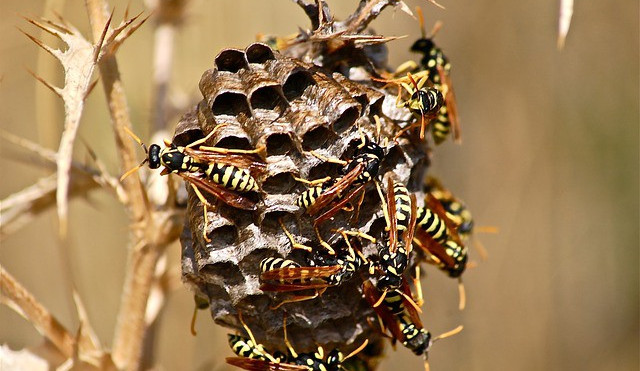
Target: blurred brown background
549 155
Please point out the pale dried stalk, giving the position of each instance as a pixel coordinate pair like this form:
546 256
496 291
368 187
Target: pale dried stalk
144 253
20 299
564 21
78 61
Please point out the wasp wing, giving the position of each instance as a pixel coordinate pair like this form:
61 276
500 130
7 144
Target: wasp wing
393 222
435 205
372 295
298 278
338 206
262 365
229 197
334 191
249 161
450 102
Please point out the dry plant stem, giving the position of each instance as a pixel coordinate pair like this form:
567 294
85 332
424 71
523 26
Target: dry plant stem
142 255
20 208
162 64
564 21
21 300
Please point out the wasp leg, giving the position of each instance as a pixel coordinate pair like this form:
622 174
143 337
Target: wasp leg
299 298
329 159
406 67
462 300
418 285
357 234
323 243
202 140
294 244
205 203
313 182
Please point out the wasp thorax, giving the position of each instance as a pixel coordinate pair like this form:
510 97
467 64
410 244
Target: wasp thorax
154 156
174 159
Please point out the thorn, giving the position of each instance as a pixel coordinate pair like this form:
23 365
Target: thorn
90 88
55 90
98 47
50 30
65 26
41 44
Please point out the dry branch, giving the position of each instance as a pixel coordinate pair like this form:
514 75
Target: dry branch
18 298
78 61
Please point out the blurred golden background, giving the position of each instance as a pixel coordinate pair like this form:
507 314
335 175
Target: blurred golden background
549 156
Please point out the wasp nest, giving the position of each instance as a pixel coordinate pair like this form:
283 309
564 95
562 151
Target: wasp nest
301 114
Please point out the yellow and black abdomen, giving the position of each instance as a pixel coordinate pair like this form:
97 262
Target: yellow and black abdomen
231 177
431 223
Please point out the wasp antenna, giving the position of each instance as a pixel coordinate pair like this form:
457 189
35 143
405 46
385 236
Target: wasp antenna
421 20
434 31
357 350
135 137
125 175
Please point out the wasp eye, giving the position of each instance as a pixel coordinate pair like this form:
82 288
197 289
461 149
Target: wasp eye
154 156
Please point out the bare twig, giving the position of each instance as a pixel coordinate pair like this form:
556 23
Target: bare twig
18 298
564 21
78 62
366 12
144 254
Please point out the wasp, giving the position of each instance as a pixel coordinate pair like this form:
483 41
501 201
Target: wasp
284 275
401 221
424 102
438 66
400 314
224 173
437 236
455 209
253 356
361 169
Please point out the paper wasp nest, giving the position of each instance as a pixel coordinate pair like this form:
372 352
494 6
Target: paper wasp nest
291 108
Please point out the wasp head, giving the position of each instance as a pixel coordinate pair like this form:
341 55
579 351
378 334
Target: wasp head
154 156
420 343
389 282
423 45
334 359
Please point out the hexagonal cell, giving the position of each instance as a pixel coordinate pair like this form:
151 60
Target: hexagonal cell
223 236
345 120
316 137
295 85
279 184
279 144
231 60
259 53
267 97
230 103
